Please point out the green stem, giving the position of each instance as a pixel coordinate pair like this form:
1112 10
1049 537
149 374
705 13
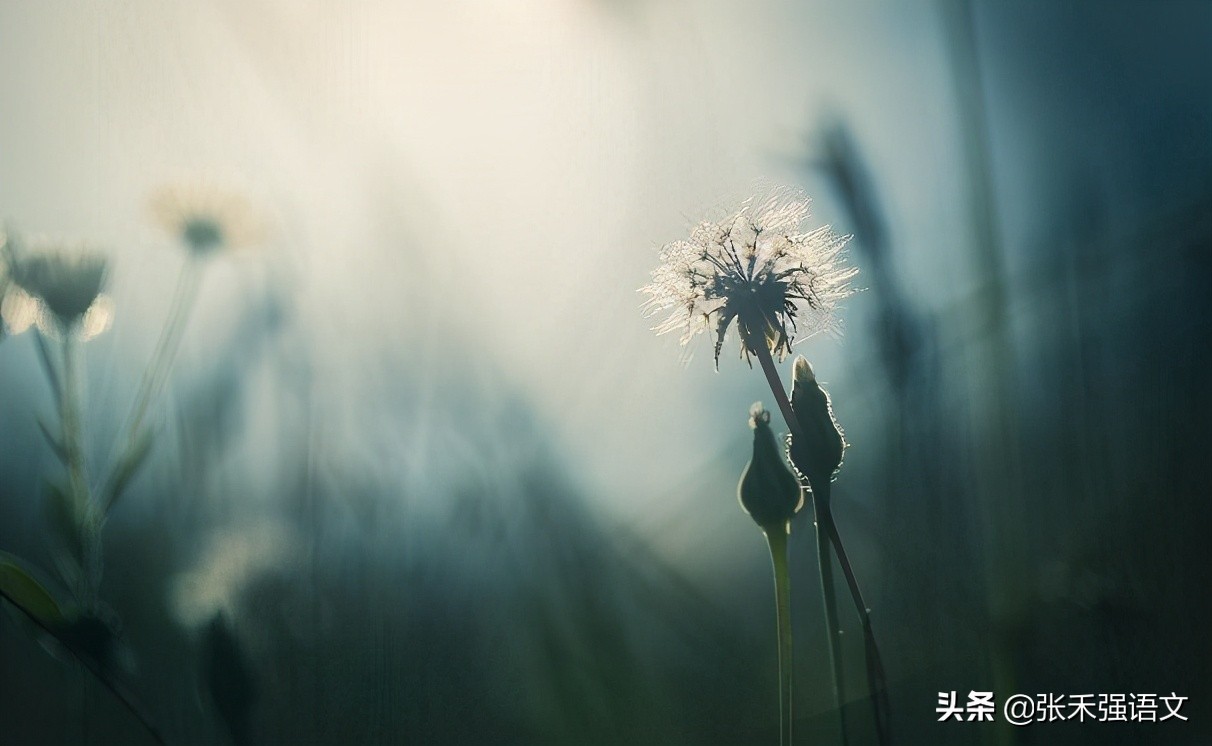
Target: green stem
166 348
776 386
69 416
157 371
876 680
48 367
776 536
820 503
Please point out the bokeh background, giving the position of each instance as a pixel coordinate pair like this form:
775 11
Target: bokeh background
424 455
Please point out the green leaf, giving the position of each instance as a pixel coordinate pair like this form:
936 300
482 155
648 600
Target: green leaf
18 586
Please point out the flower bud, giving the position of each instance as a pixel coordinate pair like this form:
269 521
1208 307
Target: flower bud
768 491
817 454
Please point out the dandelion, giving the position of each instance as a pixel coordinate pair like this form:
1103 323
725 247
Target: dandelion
59 288
204 218
779 280
760 267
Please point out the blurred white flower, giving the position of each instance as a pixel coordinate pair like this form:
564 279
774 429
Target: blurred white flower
230 561
19 309
759 266
58 287
206 219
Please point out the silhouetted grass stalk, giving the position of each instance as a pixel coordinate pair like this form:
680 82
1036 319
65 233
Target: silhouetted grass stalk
829 601
876 680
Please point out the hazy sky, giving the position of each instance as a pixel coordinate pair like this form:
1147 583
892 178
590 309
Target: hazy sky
495 175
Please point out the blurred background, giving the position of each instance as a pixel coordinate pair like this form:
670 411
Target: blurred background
422 455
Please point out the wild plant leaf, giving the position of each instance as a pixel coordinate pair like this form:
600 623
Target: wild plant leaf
18 586
88 639
126 469
61 514
55 445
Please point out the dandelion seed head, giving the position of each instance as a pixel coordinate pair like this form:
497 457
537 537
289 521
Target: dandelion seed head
205 218
760 267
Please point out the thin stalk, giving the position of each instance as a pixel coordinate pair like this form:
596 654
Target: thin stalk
48 367
820 505
69 417
777 538
166 348
776 386
157 370
876 680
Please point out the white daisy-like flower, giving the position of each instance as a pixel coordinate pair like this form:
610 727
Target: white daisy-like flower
205 218
761 267
58 287
19 309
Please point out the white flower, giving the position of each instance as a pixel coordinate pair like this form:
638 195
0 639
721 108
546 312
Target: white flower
58 287
759 266
206 219
19 309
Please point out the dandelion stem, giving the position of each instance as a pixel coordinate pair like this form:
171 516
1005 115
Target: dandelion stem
759 347
820 503
876 680
776 536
